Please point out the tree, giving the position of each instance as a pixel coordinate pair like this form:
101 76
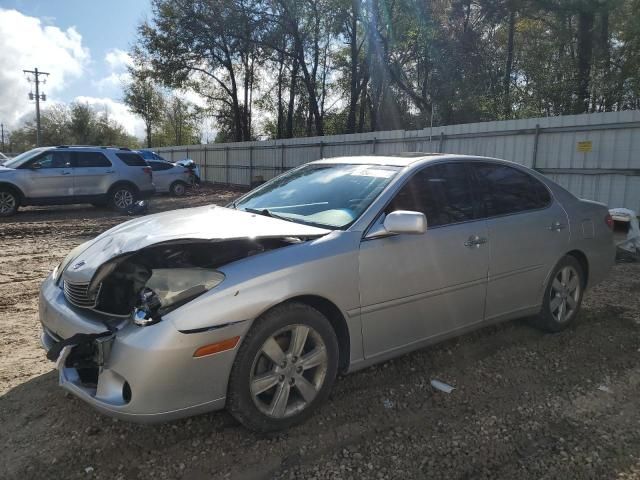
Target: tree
75 124
144 99
179 125
206 46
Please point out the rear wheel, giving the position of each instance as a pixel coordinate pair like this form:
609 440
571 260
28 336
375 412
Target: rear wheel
122 197
9 202
178 189
284 369
563 295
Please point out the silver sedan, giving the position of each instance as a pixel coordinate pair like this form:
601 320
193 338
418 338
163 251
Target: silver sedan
329 268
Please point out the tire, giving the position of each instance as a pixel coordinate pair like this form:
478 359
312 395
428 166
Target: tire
257 382
9 202
178 189
562 296
122 197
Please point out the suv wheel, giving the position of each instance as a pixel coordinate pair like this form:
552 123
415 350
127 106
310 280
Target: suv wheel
284 369
122 198
178 189
9 203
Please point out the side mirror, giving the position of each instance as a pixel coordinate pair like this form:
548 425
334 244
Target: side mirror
399 222
35 166
404 221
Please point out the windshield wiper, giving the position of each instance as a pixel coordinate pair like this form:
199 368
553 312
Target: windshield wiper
267 213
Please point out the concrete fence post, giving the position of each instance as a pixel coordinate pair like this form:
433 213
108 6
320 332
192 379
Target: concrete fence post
250 164
226 163
282 157
536 136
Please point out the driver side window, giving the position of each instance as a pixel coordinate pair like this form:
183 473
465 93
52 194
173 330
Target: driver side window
54 160
442 192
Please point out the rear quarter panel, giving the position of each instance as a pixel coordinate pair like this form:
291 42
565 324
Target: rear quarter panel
589 233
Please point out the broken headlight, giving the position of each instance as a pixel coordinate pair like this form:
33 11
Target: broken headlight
169 288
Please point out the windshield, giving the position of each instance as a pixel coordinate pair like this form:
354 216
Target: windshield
325 195
23 157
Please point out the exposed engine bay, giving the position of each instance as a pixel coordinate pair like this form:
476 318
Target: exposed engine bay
162 277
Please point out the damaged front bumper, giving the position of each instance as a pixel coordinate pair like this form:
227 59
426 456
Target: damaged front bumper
142 374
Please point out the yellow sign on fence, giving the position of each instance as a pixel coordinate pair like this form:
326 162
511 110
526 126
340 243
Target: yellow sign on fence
585 146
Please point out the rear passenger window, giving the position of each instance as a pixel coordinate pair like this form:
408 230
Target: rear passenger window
441 192
91 159
502 190
132 159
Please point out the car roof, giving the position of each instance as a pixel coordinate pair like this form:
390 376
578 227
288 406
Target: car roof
403 159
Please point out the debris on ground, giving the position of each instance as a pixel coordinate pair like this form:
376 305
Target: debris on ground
626 222
443 387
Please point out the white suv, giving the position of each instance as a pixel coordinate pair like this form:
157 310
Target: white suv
67 174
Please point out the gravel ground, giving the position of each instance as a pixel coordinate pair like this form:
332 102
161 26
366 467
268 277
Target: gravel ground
525 404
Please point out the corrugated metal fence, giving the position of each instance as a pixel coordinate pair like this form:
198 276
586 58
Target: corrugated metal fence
595 156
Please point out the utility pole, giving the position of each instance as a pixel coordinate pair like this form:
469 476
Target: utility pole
36 77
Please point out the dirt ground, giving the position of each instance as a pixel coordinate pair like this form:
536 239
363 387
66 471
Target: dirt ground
526 404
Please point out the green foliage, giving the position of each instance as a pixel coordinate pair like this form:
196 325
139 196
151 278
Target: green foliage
314 67
75 124
144 99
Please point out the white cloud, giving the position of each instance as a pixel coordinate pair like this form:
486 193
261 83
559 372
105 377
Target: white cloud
25 43
117 61
117 111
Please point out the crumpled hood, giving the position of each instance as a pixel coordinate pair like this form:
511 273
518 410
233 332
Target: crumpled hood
200 223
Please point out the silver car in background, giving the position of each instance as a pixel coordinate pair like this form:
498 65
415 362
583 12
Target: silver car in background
331 267
170 178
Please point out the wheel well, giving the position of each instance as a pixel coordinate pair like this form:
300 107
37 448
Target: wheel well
177 181
584 263
14 189
123 183
337 320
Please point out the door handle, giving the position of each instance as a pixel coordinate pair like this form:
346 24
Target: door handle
65 173
475 241
557 226
110 171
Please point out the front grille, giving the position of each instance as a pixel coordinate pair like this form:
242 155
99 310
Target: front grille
78 294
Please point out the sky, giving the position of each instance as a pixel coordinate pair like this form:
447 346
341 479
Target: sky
83 44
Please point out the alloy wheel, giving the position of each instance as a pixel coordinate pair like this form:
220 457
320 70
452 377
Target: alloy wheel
7 202
123 199
288 371
178 190
565 294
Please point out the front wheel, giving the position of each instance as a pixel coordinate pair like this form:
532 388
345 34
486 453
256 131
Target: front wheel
178 189
284 369
562 296
9 203
122 198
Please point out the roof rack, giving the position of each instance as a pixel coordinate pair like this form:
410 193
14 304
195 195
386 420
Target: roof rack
104 147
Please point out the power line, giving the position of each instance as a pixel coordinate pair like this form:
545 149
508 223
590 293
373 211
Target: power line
36 77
